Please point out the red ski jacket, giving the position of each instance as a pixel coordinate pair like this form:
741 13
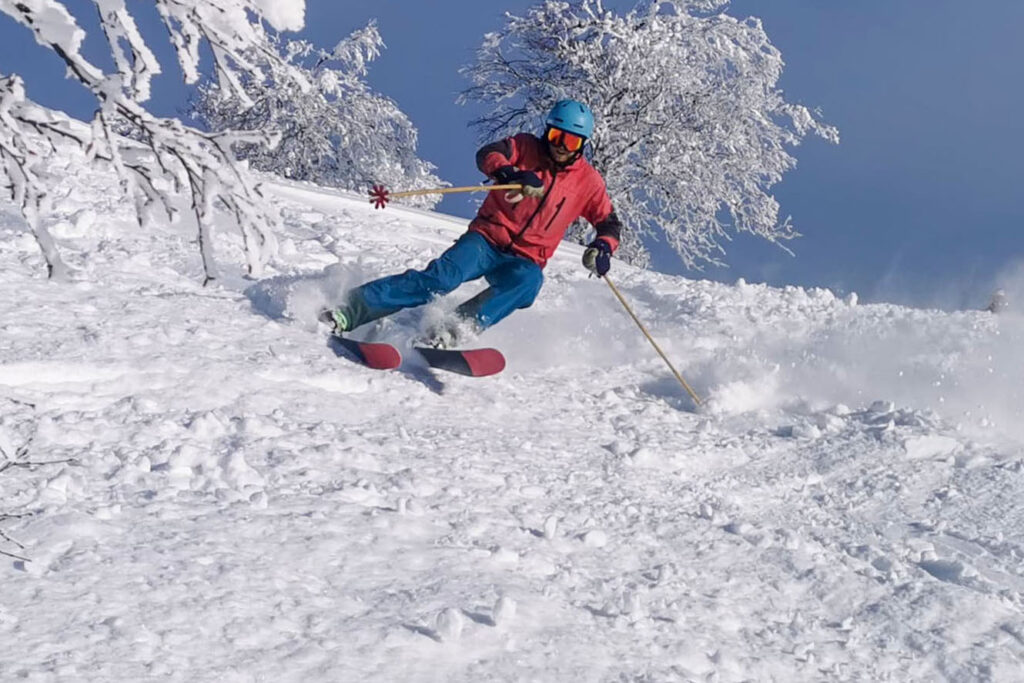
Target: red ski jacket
533 227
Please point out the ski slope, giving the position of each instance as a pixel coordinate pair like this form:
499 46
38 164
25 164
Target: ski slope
227 500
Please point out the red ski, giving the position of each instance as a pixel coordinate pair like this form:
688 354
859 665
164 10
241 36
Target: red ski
384 356
376 355
469 362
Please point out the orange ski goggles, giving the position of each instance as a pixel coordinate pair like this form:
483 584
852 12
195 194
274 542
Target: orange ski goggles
571 141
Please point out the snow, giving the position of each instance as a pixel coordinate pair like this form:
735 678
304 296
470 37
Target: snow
226 499
283 15
51 21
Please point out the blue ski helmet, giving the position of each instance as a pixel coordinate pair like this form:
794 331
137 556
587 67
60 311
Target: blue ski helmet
572 117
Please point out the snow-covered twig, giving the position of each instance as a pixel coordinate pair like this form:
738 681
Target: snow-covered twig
35 463
4 536
337 133
11 457
16 557
3 518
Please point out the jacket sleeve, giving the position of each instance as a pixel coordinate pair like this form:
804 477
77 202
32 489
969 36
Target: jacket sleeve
600 213
610 230
493 156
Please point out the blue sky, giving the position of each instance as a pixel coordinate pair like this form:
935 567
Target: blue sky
919 204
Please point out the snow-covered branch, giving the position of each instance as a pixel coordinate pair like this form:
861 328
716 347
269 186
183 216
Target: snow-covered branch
692 130
19 118
150 153
338 132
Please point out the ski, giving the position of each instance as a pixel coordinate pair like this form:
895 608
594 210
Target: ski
384 356
469 362
376 355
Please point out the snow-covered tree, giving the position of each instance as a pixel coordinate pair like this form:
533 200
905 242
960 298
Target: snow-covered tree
154 157
692 130
337 133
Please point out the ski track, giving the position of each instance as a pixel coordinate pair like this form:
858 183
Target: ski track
241 504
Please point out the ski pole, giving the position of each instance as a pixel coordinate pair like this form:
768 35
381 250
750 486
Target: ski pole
647 334
380 196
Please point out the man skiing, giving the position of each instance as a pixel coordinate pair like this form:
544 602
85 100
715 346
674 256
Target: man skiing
513 235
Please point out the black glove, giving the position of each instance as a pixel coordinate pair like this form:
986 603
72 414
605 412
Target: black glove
533 186
598 257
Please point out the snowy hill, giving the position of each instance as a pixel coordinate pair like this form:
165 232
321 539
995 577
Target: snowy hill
228 500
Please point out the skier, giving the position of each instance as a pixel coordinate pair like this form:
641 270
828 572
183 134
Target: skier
513 235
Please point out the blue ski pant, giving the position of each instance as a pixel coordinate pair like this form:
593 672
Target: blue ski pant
514 283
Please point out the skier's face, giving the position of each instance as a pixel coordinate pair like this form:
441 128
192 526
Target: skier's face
563 147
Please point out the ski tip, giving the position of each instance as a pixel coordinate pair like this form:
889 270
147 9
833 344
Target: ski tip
468 362
375 355
380 356
484 362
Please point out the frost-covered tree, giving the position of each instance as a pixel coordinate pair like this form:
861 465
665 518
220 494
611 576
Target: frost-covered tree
692 130
155 158
337 133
